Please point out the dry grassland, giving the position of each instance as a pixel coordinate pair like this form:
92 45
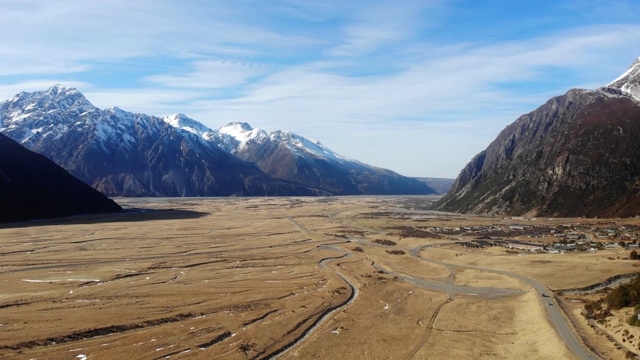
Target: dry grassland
244 278
557 271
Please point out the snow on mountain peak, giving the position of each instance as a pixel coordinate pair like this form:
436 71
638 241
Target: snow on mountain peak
298 143
181 121
62 89
57 97
237 126
242 132
629 81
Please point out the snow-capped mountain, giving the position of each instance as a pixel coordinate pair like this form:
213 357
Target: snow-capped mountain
576 155
303 160
629 81
126 154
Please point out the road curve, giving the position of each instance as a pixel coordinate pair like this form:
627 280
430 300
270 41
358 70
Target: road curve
439 286
554 313
450 289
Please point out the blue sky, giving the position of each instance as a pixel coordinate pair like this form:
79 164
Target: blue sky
418 87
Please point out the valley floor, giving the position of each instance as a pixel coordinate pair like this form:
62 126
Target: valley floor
292 278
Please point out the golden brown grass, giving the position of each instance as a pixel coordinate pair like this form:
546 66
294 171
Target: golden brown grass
240 278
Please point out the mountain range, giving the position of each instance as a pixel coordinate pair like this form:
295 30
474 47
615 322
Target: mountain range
576 155
121 153
285 155
33 187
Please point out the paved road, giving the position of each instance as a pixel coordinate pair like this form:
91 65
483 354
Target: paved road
451 289
441 286
554 313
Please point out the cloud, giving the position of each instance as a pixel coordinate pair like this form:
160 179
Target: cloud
71 37
424 102
381 24
212 74
151 101
468 81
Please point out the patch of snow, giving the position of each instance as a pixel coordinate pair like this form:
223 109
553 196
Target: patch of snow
183 122
242 132
103 133
301 144
633 90
629 81
633 70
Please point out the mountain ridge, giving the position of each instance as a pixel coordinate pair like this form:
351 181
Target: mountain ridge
126 154
576 155
304 160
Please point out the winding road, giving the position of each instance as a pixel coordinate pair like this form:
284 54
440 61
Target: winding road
554 314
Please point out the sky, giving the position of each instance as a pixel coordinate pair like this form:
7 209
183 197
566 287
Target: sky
418 87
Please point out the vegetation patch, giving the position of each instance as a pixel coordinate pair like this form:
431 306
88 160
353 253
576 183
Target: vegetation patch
385 242
396 252
409 231
625 295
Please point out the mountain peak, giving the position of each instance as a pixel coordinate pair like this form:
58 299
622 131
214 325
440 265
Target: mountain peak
238 125
57 97
184 122
242 132
59 88
629 81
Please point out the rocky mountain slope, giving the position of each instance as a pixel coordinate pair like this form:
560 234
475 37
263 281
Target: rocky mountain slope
33 187
306 161
576 155
124 154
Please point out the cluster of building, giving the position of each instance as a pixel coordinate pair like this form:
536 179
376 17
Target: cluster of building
565 237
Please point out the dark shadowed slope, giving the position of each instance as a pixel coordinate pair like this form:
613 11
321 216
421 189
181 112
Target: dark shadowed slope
33 187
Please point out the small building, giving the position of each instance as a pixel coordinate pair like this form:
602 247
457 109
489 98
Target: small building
514 244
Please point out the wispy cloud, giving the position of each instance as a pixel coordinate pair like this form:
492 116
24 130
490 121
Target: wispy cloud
212 74
380 25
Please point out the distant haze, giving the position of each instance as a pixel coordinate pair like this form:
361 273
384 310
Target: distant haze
440 185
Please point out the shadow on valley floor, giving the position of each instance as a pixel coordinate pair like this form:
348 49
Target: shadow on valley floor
128 215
